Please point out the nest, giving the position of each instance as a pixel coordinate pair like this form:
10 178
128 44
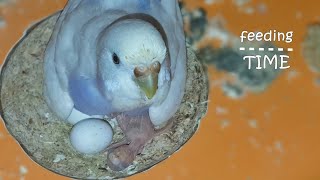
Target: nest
45 138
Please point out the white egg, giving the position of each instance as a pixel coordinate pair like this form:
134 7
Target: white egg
91 136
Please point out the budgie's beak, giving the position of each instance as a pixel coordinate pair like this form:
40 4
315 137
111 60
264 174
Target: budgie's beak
147 78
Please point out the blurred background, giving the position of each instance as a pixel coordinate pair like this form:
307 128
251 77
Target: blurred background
260 125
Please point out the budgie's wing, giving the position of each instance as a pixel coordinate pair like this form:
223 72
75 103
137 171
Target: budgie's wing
56 96
169 15
71 51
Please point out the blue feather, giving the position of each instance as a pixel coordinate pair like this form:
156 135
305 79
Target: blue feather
144 4
86 96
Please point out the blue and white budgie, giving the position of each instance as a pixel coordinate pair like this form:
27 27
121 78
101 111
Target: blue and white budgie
121 58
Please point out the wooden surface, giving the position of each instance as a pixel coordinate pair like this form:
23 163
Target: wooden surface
268 136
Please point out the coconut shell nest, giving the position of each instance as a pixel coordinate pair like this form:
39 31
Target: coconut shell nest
45 138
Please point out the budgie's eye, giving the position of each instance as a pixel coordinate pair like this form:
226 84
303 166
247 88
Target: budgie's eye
115 58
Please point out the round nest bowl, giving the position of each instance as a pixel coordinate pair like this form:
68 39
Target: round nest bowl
45 138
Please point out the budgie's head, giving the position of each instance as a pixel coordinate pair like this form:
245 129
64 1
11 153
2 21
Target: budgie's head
133 49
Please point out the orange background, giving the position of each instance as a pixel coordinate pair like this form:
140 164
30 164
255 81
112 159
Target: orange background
269 136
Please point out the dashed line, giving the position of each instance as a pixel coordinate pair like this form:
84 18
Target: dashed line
263 49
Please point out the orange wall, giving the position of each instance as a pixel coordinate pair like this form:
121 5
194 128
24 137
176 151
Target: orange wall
284 145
